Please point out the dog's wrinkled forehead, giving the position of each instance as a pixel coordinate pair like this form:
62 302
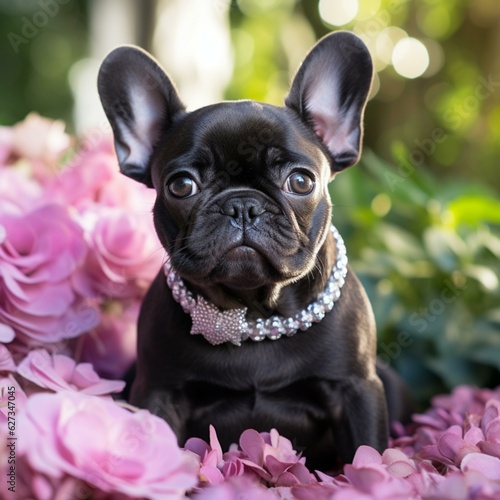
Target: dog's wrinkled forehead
247 122
244 136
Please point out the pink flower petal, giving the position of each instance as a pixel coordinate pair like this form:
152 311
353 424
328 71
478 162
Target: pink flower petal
473 436
83 375
59 372
211 474
490 448
366 455
252 443
275 467
287 479
485 464
63 365
301 472
364 477
197 446
449 443
214 443
493 430
104 387
6 333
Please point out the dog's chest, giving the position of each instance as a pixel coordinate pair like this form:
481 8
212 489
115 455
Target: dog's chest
266 367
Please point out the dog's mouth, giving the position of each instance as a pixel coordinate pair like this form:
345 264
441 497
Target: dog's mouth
243 266
241 252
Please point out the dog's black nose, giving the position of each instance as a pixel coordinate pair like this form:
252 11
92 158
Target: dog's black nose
242 210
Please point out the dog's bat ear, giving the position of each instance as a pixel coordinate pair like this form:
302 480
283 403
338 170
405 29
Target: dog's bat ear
140 102
330 91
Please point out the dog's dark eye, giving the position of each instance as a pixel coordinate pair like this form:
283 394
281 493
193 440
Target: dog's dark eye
183 186
299 183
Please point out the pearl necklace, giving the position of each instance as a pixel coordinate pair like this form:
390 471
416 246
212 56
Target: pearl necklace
232 326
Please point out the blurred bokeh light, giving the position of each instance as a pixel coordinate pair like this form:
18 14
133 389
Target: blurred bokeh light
338 12
410 58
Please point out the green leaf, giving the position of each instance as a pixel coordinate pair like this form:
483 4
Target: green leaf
400 242
444 247
475 210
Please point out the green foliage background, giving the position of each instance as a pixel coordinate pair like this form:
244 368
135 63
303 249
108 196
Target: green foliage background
421 217
422 225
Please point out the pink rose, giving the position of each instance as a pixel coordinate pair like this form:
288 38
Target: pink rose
80 182
29 484
92 176
42 141
124 254
111 347
97 441
38 256
18 192
127 193
59 372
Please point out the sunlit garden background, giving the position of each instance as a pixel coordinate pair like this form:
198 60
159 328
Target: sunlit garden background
420 214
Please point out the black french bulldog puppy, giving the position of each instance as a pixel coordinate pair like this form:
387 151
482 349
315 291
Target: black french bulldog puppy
244 213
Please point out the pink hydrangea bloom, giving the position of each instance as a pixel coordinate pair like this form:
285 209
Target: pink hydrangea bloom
479 432
372 475
465 399
216 466
453 445
111 347
446 411
58 372
490 425
265 455
38 256
272 457
95 440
